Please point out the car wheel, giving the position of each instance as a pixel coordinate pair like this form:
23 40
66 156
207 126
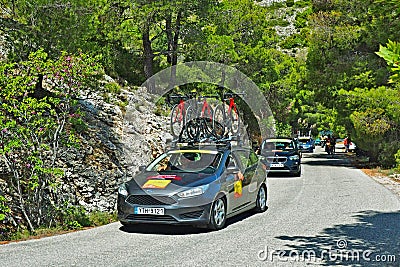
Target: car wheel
218 214
261 202
298 173
127 225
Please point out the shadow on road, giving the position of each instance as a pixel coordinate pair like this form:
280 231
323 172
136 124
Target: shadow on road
337 160
162 229
374 240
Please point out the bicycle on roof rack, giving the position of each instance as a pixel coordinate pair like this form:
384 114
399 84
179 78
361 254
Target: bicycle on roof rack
199 130
200 116
228 117
200 108
178 117
194 120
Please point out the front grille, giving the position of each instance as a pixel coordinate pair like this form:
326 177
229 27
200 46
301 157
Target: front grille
192 215
150 200
276 159
153 218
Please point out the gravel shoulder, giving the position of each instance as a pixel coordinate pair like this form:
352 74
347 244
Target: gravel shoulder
391 182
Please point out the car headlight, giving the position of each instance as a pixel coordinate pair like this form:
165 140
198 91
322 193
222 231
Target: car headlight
122 190
294 157
197 191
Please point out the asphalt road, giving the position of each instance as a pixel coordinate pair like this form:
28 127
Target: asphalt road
333 215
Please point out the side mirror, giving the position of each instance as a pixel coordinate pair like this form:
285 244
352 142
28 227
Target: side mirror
232 170
142 168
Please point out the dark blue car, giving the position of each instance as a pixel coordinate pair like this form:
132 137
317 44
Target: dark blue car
306 144
281 155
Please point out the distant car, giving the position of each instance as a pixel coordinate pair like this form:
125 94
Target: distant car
306 144
339 146
317 142
199 186
281 155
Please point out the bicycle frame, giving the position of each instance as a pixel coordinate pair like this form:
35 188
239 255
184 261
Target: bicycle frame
181 110
232 105
206 107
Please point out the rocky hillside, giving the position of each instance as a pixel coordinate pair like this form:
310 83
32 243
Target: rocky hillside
122 132
117 142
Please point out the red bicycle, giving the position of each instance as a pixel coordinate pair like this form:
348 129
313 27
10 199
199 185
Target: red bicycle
178 117
200 124
228 117
189 109
200 108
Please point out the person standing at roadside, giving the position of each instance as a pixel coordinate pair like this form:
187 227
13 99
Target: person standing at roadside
346 144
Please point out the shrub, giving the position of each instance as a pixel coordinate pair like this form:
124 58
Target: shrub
397 158
73 217
35 124
112 87
289 3
387 154
98 218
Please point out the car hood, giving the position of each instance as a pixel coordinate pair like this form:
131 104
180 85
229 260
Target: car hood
282 153
167 182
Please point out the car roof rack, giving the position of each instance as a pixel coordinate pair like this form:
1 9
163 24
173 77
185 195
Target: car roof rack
218 143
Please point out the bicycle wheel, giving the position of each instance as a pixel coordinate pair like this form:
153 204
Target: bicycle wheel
190 113
218 130
219 125
234 121
193 129
207 118
177 120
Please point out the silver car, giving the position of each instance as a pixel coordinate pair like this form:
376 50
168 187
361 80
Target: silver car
200 186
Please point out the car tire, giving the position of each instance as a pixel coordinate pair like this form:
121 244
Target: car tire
261 201
126 225
298 173
218 214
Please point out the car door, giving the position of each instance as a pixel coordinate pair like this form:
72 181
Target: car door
248 164
234 184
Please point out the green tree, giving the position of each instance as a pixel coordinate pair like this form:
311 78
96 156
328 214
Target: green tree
346 75
391 54
37 116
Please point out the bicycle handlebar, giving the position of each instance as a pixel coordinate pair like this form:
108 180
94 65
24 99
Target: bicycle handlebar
210 96
191 95
180 96
232 95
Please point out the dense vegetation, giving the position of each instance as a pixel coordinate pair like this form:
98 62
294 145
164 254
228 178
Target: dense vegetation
339 70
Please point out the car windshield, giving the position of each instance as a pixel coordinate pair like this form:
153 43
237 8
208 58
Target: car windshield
284 144
304 140
199 161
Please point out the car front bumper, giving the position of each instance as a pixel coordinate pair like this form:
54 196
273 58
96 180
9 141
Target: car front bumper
288 167
173 214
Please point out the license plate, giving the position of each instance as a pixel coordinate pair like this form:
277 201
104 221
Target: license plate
149 211
277 165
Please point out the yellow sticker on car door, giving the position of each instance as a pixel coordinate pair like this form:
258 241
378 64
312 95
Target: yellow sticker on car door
237 187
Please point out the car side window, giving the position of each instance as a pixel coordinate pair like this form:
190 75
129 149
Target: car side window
253 159
243 158
230 162
247 157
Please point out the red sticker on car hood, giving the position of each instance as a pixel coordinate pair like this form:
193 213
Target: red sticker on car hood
165 177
